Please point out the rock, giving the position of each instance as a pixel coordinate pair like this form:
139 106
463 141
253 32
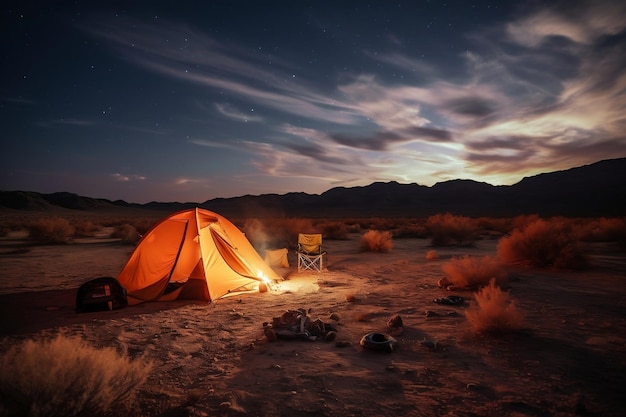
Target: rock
395 321
330 336
270 334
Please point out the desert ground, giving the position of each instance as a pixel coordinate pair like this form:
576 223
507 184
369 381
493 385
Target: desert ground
213 359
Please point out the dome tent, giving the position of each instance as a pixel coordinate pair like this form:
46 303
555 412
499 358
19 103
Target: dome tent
193 254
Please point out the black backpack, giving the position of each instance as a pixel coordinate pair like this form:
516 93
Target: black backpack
100 294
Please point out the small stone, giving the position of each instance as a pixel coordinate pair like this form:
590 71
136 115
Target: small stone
334 316
395 321
270 334
330 336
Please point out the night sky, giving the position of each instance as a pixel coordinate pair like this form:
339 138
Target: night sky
191 100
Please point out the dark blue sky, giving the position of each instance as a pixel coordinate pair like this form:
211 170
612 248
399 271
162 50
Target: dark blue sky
191 100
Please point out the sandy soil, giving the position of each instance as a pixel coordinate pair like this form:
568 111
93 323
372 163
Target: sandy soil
214 360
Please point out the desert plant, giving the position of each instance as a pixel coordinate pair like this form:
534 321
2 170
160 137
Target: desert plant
333 229
65 376
85 228
126 233
523 220
376 241
473 271
51 230
415 231
496 312
495 225
543 244
432 255
604 230
447 229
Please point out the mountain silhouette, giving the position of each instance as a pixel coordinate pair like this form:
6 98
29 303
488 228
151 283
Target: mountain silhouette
597 189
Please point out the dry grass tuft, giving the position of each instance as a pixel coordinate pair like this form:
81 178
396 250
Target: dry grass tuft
496 312
85 228
51 230
474 271
66 377
432 255
127 233
337 230
543 244
447 229
376 241
604 230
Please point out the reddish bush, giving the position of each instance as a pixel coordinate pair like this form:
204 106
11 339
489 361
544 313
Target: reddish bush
446 229
432 255
474 272
51 230
496 312
126 233
85 228
376 241
543 244
333 229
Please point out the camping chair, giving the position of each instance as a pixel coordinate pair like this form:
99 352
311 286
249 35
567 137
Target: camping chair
310 253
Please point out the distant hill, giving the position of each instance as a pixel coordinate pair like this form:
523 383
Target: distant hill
595 190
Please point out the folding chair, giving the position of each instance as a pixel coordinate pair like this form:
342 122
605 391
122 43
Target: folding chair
310 253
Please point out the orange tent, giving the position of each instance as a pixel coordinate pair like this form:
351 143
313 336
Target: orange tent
193 254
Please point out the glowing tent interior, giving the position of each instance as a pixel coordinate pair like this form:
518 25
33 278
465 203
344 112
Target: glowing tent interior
193 254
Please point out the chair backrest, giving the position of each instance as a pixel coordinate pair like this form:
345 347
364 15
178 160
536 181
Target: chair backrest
310 243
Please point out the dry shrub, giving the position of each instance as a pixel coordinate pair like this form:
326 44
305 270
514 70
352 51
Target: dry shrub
85 228
379 223
543 244
496 312
494 224
376 241
604 230
51 230
432 255
474 271
523 220
127 233
143 224
66 377
411 231
447 229
333 229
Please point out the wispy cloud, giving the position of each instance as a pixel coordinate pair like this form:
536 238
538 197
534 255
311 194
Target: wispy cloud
545 89
233 113
127 178
582 22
